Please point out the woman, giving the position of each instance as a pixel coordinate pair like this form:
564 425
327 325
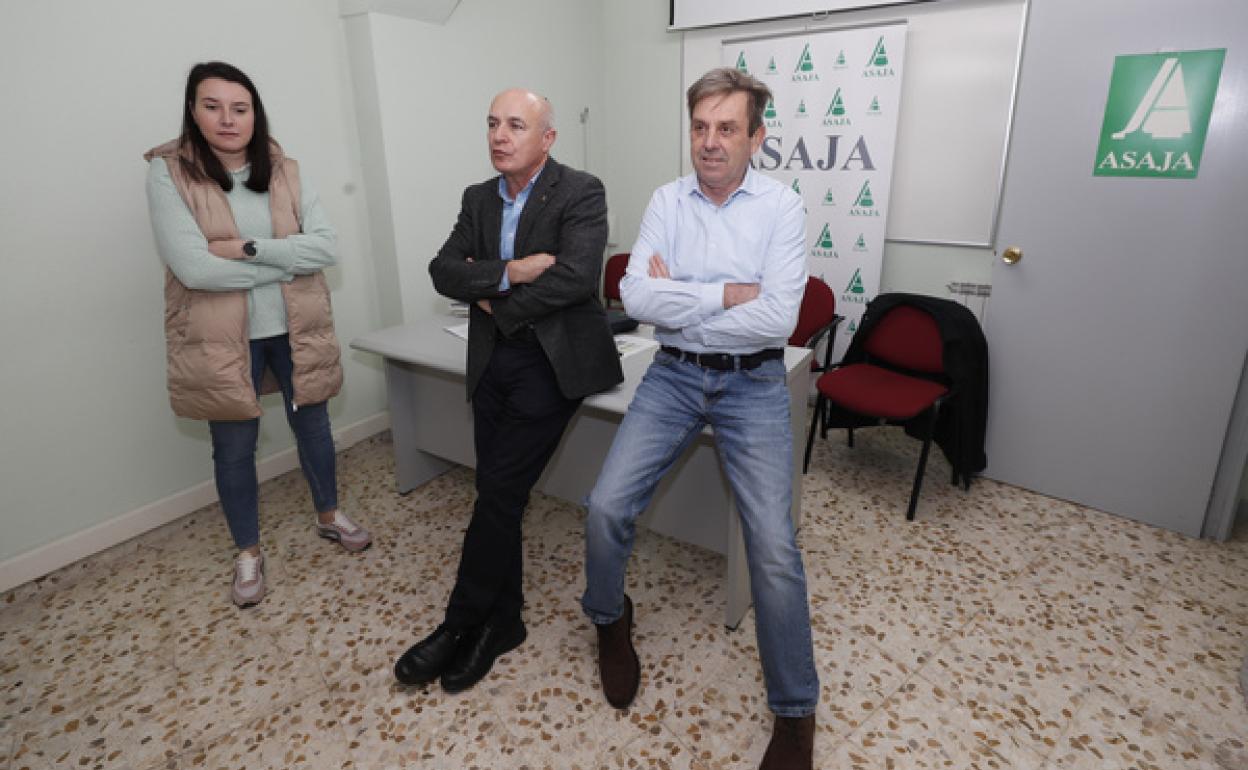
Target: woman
246 305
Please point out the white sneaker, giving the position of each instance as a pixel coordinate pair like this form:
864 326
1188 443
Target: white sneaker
248 585
349 535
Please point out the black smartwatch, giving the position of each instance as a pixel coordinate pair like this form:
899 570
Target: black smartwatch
249 248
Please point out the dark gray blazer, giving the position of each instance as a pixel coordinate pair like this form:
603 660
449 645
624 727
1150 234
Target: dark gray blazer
565 215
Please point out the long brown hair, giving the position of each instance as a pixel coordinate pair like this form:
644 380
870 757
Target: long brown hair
205 162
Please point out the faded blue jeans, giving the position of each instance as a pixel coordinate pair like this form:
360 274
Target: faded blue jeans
748 410
234 448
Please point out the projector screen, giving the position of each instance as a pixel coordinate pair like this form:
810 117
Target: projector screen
690 14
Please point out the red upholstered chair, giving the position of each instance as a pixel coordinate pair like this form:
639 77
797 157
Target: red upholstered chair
816 321
611 275
901 379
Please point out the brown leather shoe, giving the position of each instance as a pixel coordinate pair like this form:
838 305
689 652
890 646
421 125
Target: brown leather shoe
792 744
618 665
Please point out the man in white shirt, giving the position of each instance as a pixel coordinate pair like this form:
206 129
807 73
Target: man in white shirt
719 268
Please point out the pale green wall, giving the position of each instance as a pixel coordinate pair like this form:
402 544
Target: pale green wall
86 430
434 86
644 103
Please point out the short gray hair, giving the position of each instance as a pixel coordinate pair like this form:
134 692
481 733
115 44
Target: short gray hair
727 80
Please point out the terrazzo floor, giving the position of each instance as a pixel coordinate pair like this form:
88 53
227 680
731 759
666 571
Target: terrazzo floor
1001 630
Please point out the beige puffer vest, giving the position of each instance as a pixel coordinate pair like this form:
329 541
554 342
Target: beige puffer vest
209 358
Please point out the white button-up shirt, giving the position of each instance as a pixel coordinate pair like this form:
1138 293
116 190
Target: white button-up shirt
757 236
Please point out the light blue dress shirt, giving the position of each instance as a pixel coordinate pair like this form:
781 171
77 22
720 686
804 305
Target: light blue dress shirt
757 236
512 208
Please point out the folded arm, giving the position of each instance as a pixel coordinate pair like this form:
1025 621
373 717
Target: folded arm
572 277
455 272
654 297
184 248
773 313
314 248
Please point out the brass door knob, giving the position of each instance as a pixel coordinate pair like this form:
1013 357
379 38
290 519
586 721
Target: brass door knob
1011 255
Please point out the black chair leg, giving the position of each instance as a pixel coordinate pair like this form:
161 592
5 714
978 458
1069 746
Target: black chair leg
918 476
810 438
851 437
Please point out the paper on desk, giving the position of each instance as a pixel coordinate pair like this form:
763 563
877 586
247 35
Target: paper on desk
628 344
459 330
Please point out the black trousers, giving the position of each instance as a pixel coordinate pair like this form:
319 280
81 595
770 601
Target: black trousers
519 415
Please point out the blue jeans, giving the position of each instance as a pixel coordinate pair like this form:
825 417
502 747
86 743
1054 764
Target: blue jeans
748 410
234 447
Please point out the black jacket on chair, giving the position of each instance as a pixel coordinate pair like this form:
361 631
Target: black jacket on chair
962 423
565 215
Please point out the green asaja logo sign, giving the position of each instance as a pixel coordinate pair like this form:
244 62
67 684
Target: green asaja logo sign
837 107
801 109
879 57
769 115
1157 114
861 243
796 187
839 63
877 66
741 65
854 290
835 116
805 70
824 247
874 107
864 204
828 200
771 66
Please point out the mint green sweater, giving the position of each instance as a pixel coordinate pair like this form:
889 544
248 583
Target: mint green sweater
185 250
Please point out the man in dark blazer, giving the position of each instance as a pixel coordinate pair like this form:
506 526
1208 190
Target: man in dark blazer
525 253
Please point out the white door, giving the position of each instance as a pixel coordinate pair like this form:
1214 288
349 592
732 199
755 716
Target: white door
1118 340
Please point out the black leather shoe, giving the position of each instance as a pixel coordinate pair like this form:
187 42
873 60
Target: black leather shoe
427 659
477 654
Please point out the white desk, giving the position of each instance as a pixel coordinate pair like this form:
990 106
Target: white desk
431 422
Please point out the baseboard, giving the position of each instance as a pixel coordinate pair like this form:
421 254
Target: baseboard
48 558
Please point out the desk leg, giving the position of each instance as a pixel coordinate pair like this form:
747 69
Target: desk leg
412 466
737 573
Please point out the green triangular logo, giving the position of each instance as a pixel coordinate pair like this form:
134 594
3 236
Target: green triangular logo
861 243
770 110
801 108
840 59
855 283
804 62
853 327
879 57
828 200
771 66
796 187
825 238
864 197
837 107
875 105
741 66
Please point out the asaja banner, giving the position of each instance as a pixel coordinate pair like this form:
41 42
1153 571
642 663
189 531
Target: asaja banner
831 134
1157 114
